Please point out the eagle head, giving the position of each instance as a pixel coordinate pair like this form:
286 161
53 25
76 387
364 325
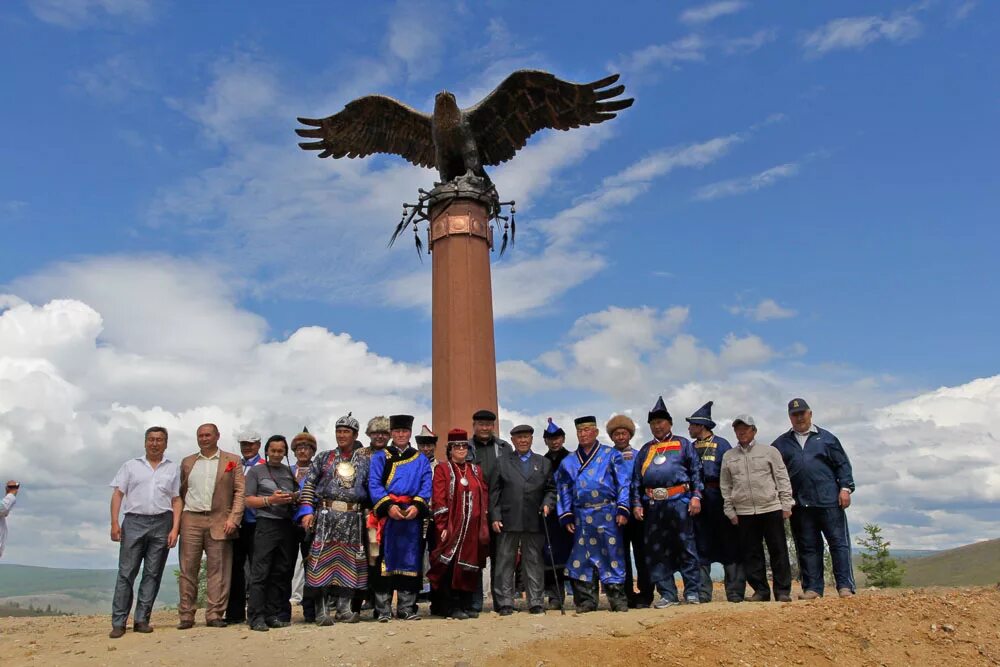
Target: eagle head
445 101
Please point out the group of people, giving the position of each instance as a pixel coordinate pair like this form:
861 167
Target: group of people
372 523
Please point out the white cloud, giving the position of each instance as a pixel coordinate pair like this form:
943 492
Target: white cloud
711 11
766 309
113 80
414 37
963 10
738 186
690 48
858 32
79 383
750 43
76 14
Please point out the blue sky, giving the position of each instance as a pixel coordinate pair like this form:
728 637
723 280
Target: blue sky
801 201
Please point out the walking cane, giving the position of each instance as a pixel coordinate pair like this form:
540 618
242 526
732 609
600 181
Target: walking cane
552 562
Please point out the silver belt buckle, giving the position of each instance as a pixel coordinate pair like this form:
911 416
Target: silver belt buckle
660 494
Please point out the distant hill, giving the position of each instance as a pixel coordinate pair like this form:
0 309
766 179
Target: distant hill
76 591
975 564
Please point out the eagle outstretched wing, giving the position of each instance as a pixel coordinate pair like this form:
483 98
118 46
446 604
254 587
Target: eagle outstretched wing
530 100
372 124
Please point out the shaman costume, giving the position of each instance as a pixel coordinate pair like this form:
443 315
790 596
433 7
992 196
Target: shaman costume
334 492
666 475
459 508
398 478
593 488
716 538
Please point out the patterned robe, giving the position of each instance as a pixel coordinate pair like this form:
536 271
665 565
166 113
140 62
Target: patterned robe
592 491
461 511
337 555
403 479
714 534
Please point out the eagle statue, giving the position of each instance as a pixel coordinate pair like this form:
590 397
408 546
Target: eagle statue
461 142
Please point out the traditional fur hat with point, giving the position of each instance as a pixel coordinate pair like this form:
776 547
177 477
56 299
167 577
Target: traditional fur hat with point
305 437
426 437
378 424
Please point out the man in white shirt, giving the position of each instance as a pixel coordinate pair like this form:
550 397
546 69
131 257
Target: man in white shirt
6 505
149 489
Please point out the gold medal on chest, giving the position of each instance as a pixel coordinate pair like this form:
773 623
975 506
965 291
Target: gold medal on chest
346 473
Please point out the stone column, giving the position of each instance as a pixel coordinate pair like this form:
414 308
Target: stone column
463 348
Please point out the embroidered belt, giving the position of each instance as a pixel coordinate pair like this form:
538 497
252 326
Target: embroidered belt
662 493
339 505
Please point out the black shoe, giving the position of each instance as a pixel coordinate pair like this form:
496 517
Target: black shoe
459 615
276 623
185 625
734 599
472 614
216 623
309 619
384 618
259 626
537 609
506 611
760 597
642 605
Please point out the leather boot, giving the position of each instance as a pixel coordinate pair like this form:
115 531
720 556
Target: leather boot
584 596
344 613
324 612
616 597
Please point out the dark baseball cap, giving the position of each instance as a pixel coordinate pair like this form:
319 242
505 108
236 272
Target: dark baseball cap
797 405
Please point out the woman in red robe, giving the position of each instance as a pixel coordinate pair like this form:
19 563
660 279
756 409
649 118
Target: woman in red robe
458 505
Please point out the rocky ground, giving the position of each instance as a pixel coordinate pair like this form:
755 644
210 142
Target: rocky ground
952 627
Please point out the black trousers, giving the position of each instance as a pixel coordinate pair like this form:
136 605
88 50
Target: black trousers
769 528
273 565
635 540
236 610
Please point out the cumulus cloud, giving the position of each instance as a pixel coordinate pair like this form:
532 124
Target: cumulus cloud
77 14
711 11
860 31
766 309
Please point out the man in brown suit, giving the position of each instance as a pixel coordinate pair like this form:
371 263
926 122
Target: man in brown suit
212 489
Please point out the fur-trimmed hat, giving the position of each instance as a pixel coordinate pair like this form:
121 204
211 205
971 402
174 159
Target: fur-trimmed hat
401 422
305 437
457 436
620 421
378 424
426 436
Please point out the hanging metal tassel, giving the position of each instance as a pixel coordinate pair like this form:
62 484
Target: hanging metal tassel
403 222
420 244
503 241
513 224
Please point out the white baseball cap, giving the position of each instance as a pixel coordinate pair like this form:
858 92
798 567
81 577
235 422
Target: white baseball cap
744 419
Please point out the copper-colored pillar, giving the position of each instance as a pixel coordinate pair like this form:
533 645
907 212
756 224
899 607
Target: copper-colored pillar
463 349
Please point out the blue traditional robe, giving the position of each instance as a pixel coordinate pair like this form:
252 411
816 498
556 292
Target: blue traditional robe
715 535
403 479
593 490
669 529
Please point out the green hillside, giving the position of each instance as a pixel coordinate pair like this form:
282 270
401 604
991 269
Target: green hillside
78 591
975 564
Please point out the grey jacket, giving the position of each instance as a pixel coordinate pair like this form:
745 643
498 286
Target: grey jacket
516 499
754 481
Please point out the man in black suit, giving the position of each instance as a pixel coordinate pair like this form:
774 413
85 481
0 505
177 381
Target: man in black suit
486 448
522 491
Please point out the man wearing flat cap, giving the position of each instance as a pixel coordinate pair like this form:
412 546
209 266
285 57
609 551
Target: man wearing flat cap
758 499
715 537
666 494
486 447
522 493
236 609
399 484
621 430
557 551
593 496
822 481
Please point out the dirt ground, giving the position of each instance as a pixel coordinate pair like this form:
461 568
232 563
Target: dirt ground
952 627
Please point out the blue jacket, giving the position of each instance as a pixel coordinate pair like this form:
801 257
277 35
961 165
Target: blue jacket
818 471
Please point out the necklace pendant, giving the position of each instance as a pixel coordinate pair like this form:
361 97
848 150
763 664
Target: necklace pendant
659 459
464 482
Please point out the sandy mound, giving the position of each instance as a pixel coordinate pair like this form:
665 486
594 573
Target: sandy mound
945 627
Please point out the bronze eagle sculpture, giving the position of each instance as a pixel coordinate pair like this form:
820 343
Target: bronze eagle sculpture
461 142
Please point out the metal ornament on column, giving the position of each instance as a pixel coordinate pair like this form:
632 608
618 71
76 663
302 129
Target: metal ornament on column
463 208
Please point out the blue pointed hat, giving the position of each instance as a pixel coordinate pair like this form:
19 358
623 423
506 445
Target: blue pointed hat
703 416
553 431
659 411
